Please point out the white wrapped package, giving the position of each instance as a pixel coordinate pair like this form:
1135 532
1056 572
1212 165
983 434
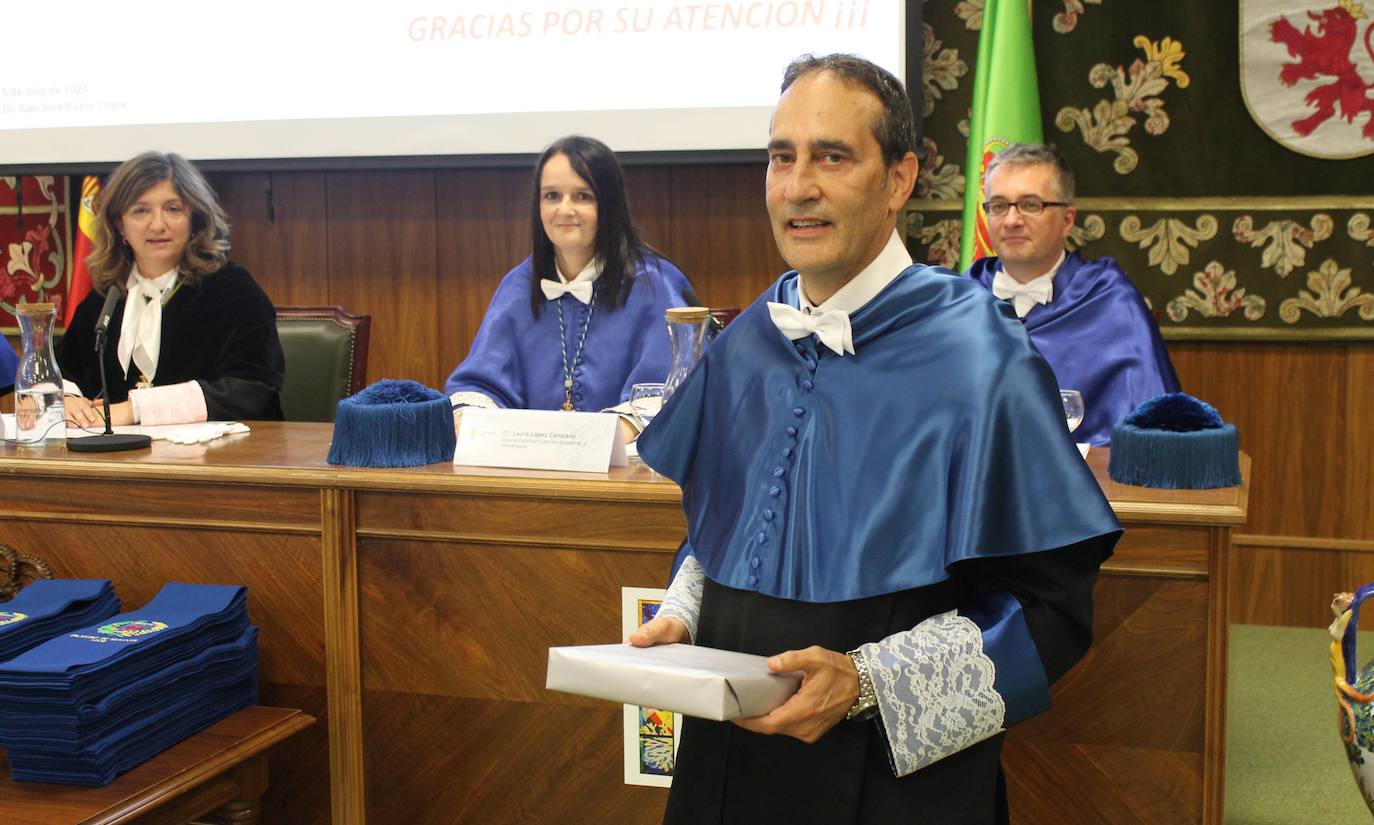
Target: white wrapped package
694 681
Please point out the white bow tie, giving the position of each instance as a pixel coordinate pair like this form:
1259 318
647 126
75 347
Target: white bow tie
832 327
581 290
1023 296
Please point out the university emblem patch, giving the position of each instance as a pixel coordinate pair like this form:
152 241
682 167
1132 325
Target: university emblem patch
1307 73
130 629
7 617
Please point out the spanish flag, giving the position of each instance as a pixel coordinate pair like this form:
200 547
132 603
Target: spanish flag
80 283
1006 110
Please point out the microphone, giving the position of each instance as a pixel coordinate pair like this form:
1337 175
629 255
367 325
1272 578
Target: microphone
102 322
110 441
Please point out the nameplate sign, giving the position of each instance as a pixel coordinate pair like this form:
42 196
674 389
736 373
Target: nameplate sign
540 440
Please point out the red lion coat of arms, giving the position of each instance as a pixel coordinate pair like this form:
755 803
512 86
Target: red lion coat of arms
1307 73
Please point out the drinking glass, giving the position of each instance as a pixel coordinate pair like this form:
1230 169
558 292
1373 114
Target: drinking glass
1073 407
645 402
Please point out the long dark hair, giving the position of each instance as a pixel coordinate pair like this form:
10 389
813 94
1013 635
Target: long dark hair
617 243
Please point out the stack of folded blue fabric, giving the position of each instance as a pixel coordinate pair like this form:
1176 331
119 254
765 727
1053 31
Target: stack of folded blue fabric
51 607
85 707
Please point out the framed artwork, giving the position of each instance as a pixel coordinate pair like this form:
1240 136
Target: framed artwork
651 735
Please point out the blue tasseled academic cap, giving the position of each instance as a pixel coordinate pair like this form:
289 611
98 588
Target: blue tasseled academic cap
1177 442
393 424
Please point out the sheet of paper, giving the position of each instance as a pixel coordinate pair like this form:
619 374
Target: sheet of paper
696 681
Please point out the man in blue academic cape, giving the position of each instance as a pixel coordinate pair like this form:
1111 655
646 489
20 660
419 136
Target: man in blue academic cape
880 493
1085 317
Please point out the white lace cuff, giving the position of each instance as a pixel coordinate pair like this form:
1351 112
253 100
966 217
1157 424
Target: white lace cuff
935 691
473 399
683 600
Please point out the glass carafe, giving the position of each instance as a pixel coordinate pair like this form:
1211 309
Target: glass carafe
39 412
687 331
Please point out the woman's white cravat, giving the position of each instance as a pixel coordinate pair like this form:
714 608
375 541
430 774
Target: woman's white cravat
140 334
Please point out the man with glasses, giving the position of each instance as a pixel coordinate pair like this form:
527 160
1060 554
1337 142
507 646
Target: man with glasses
1085 317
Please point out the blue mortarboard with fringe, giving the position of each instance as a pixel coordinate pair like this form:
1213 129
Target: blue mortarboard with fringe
1177 442
393 424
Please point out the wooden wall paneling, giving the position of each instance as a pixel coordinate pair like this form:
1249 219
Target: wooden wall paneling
458 725
282 242
654 208
724 241
1292 586
483 232
1357 520
1286 400
382 261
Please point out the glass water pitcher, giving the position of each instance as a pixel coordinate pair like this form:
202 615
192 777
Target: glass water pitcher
687 330
39 412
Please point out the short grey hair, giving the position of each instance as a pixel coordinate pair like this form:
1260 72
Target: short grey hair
1037 154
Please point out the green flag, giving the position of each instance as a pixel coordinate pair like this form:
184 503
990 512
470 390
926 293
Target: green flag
1006 110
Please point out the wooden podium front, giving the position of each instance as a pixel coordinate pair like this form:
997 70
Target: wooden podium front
413 611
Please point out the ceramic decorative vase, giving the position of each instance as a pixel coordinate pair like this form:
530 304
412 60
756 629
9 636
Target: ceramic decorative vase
1354 690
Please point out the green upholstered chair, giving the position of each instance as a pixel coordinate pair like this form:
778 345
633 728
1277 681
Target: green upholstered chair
326 359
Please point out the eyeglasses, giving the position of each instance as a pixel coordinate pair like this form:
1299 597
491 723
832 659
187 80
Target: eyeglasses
1027 207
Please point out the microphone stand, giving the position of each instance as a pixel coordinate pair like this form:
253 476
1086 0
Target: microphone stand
110 441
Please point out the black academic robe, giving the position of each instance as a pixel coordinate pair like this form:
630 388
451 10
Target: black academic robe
220 331
727 775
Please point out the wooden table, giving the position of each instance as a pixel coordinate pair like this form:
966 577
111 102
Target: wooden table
415 607
222 769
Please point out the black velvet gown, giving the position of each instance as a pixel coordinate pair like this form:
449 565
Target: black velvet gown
220 331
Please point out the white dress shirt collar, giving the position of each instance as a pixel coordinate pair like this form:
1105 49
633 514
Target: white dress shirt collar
1038 290
865 286
590 272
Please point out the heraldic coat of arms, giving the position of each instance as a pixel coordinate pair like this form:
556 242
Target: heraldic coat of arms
1307 73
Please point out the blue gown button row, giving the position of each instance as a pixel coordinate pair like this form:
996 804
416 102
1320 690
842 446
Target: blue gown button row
769 513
